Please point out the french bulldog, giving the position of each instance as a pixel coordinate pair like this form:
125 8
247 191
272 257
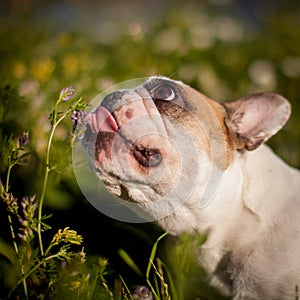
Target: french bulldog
194 165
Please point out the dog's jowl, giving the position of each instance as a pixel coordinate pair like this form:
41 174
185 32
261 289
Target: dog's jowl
191 164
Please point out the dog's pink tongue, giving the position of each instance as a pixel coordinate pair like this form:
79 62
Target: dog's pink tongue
102 120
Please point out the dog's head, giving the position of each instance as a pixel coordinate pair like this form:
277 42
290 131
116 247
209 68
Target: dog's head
164 146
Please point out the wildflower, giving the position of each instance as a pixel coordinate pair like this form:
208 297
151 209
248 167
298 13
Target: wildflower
66 94
42 69
142 293
67 236
26 234
75 285
9 199
24 139
23 222
79 119
76 116
12 203
29 206
28 221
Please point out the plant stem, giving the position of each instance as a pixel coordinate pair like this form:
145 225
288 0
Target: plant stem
8 176
41 202
12 231
46 175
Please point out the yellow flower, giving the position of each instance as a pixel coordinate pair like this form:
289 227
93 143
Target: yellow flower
42 69
75 285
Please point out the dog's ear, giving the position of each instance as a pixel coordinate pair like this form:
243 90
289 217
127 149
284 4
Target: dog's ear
255 118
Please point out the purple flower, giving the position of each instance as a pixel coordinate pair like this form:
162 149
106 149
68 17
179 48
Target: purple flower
24 223
29 206
66 93
142 293
77 117
28 220
24 138
11 202
26 234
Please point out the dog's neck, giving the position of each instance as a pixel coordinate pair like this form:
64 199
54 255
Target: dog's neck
260 179
247 190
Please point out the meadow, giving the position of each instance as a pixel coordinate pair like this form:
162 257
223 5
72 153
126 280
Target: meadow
55 58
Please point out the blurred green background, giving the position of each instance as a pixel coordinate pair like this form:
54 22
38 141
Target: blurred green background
225 48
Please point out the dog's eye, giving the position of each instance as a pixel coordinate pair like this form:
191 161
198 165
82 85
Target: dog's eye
163 92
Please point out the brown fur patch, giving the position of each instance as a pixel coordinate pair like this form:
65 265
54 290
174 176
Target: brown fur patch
212 115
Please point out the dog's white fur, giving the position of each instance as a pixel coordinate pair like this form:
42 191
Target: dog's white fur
254 229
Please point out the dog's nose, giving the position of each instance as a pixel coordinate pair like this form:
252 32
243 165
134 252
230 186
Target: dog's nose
113 100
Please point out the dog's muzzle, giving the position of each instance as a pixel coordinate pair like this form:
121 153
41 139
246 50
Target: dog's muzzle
114 113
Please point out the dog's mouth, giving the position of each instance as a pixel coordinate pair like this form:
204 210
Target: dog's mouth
101 120
103 123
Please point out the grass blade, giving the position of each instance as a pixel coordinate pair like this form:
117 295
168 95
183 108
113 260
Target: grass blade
150 264
129 261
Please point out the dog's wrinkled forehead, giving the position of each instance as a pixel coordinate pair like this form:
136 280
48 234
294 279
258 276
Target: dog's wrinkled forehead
176 92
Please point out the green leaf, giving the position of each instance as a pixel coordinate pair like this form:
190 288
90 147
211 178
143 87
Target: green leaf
153 253
129 261
150 264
